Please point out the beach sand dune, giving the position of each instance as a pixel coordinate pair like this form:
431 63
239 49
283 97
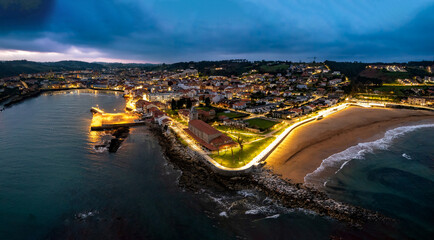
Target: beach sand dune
303 150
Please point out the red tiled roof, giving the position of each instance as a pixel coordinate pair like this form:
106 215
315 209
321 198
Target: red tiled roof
239 104
153 109
222 140
198 139
203 112
204 127
184 112
296 110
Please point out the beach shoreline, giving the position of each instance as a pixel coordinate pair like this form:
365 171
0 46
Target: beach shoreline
304 149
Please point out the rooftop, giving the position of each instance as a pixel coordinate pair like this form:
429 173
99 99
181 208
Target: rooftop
204 127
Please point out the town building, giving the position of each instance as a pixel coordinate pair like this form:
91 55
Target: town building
162 96
207 136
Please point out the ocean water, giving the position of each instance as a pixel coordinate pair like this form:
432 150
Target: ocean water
393 175
55 185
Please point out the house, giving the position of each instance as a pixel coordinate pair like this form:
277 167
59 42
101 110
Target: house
306 109
297 112
206 115
184 114
239 105
334 81
282 114
164 121
141 105
287 94
235 123
162 96
416 101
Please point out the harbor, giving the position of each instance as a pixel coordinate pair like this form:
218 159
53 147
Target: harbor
105 121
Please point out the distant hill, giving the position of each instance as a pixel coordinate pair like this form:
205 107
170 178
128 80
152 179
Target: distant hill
350 69
129 65
358 72
354 70
228 67
14 68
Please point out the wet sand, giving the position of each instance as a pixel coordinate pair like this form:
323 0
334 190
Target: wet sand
304 149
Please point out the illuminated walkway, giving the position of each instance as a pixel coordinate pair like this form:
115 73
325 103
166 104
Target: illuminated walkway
270 148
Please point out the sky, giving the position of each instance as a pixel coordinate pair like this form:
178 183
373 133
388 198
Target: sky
156 31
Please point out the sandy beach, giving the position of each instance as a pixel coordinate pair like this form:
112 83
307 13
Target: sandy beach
304 149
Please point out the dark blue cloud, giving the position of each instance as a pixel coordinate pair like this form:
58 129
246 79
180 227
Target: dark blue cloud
24 14
175 30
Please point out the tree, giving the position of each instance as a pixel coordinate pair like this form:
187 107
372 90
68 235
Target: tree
173 104
180 103
189 103
207 101
240 142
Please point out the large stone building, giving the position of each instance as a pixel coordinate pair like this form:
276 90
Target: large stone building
162 96
204 131
207 136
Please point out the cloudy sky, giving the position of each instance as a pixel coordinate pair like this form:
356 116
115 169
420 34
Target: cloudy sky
184 30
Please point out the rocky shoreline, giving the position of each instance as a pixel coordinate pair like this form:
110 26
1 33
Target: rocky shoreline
196 174
19 98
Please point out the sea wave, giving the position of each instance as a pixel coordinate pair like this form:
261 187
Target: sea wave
100 149
248 193
86 214
339 160
251 203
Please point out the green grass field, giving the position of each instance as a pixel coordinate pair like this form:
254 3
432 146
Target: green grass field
223 128
205 108
233 114
235 132
241 158
390 98
261 124
171 112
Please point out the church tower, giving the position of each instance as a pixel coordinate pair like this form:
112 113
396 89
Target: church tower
194 115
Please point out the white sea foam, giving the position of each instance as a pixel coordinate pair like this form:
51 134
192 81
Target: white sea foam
274 216
339 160
86 214
267 200
223 214
307 211
100 149
406 156
248 193
252 211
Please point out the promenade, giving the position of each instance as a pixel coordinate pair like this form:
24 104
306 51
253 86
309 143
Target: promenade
178 129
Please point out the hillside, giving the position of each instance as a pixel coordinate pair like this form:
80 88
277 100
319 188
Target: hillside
14 68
